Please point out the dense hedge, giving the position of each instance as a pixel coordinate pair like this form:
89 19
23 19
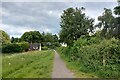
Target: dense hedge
44 48
54 45
15 47
101 56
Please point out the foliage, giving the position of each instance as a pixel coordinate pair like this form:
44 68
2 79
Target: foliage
24 46
74 23
107 20
117 9
9 48
99 53
15 40
4 37
110 23
117 12
86 40
44 48
15 47
32 37
94 55
33 64
56 44
50 40
74 66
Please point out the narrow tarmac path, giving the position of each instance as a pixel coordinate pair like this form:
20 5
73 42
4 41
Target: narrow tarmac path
59 69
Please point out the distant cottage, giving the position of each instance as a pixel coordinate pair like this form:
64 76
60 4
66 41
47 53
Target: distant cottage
35 46
64 44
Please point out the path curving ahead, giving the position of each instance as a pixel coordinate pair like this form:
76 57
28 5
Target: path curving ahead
59 68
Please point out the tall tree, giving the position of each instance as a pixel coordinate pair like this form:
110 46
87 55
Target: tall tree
117 9
74 23
4 37
48 37
117 12
50 40
15 40
32 37
55 37
107 21
12 39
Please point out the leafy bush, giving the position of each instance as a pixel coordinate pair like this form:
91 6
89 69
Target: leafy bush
56 44
87 40
101 56
53 45
94 55
24 46
4 37
9 48
44 48
14 47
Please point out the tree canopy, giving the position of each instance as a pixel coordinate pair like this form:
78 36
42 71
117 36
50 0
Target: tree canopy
107 21
15 40
32 37
110 23
117 9
74 23
49 39
117 12
4 37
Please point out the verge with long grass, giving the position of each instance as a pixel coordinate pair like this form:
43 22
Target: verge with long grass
33 64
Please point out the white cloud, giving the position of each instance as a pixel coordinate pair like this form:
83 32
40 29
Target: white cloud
58 0
55 14
47 30
19 17
15 31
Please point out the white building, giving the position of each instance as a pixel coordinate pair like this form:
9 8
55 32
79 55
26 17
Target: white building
64 44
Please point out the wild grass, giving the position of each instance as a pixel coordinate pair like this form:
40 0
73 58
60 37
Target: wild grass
35 64
74 67
0 65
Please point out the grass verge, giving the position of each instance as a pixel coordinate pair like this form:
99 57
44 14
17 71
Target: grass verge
35 64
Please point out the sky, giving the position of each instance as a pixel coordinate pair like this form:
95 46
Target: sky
19 17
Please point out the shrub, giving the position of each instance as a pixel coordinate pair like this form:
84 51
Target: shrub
52 45
56 44
102 58
44 48
86 40
14 47
9 48
24 46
